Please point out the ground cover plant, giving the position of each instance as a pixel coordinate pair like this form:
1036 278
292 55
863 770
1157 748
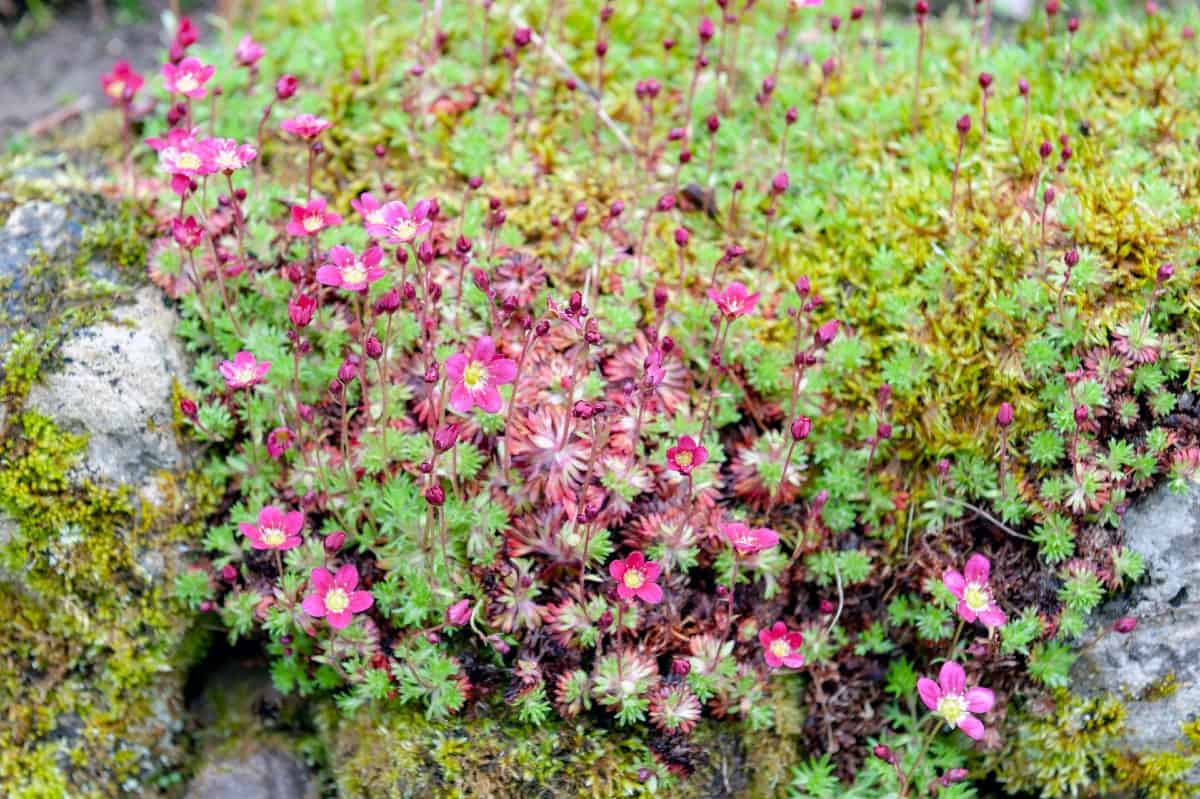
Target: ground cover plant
643 368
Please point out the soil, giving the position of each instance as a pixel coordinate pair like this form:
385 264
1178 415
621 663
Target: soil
53 74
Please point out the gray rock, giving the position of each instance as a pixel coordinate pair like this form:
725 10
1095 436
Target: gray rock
1165 646
259 772
115 386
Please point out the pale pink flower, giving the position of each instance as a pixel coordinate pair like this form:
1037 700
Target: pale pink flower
974 596
187 77
334 597
475 378
400 224
275 529
228 156
950 699
248 51
636 577
734 301
747 541
781 646
186 156
311 219
349 271
306 126
279 441
686 455
369 209
244 370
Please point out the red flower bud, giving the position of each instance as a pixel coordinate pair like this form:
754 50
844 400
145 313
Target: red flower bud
801 428
1125 625
334 541
1004 416
286 86
300 310
188 408
435 495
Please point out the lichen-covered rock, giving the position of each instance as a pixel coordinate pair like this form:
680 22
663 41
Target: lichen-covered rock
257 772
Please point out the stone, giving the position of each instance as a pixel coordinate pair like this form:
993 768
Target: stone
1156 668
257 772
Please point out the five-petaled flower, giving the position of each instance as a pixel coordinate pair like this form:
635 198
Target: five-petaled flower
748 541
950 699
279 441
244 370
476 377
335 597
974 596
370 209
311 219
637 577
188 77
399 224
686 455
228 156
122 83
275 529
352 272
306 126
781 646
734 301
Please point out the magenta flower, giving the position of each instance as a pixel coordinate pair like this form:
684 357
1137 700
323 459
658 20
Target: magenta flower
637 576
306 126
781 646
275 529
279 441
334 596
122 83
228 156
734 301
747 541
188 77
352 272
187 232
950 699
974 596
248 51
399 224
459 613
244 370
369 209
311 219
475 378
686 455
184 155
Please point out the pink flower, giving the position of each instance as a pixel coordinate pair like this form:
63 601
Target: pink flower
187 232
306 126
334 596
175 137
122 83
734 301
459 613
950 699
184 155
475 378
781 646
228 156
352 272
279 441
686 455
973 594
188 77
369 209
747 541
248 51
400 225
311 219
244 370
275 529
636 576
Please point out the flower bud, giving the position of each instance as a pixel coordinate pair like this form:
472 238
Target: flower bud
388 302
884 431
1004 416
435 495
347 371
856 13
1023 87
665 203
334 541
1125 625
681 237
445 437
780 183
826 333
522 37
706 30
431 373
229 573
1164 273
921 8
963 124
1081 414
373 348
1044 149
791 115
801 427
681 667
286 86
188 408
885 754
1071 258
459 613
826 607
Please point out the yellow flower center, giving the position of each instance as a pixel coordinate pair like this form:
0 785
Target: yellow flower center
355 273
246 374
746 541
228 159
952 708
634 579
780 648
976 597
403 229
313 222
684 458
116 89
475 376
273 536
186 83
375 217
337 600
188 161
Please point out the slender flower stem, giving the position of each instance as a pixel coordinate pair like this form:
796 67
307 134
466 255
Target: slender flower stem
916 106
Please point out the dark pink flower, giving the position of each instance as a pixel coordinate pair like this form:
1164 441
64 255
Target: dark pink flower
973 594
352 272
187 232
122 83
275 529
950 698
637 576
459 613
184 155
399 224
187 77
748 541
228 156
686 455
734 301
248 51
244 370
334 597
475 378
311 219
306 126
279 441
781 646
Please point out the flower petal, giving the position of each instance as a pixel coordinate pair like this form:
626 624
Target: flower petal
977 569
321 579
650 592
456 364
314 605
360 601
617 570
340 620
346 577
952 678
972 726
461 399
929 692
652 569
489 399
485 349
502 371
293 522
954 582
980 700
993 616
